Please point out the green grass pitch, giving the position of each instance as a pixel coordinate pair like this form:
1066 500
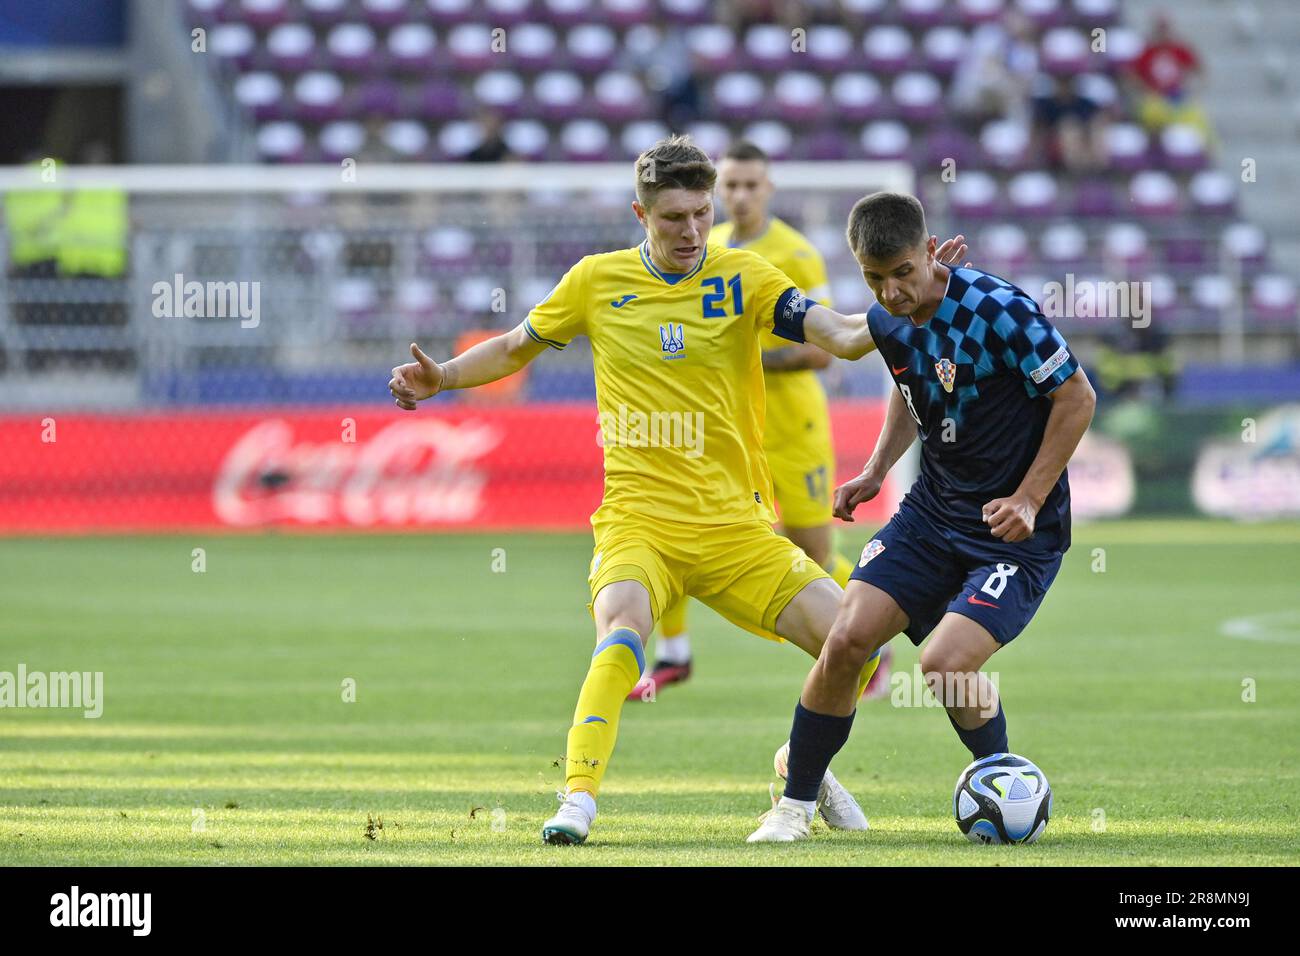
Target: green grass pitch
225 738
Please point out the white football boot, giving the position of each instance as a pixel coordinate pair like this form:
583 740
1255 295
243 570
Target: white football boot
572 822
786 822
834 803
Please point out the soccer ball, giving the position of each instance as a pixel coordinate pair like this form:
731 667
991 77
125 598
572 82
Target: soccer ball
1002 798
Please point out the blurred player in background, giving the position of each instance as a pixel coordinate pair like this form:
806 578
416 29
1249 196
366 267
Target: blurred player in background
797 440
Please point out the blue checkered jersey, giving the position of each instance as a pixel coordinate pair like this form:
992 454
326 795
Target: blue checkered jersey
975 377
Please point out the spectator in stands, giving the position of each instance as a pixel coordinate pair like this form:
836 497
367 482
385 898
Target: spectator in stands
993 80
1069 127
1165 71
668 69
492 148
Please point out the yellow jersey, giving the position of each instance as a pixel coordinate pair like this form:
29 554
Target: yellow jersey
679 379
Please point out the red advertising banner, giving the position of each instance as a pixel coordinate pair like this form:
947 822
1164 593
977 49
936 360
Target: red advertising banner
456 468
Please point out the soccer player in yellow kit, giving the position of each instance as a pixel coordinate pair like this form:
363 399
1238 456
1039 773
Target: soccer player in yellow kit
674 330
797 442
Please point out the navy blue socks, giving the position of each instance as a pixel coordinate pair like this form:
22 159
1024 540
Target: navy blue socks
991 738
814 740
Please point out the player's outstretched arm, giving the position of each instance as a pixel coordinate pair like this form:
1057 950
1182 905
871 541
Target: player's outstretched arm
844 336
1073 402
895 438
486 362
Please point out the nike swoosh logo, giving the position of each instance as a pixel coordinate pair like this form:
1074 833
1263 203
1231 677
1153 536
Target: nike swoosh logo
619 303
974 600
898 371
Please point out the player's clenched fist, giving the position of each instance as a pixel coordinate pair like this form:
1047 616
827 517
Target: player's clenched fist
853 492
415 381
1011 519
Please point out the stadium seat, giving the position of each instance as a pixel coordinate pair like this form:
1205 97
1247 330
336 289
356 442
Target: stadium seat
1005 144
944 47
886 139
260 93
1128 148
738 97
1185 250
567 13
713 138
450 12
1062 244
318 96
800 98
1183 147
527 138
1165 301
558 95
1213 193
627 13
771 136
974 195
501 91
976 12
407 139
441 99
291 48
281 142
918 96
768 48
1043 14
592 47
620 97
830 48
1211 297
533 46
457 138
379 98
342 139
1095 198
1154 193
356 301
1006 247
1065 51
822 143
206 12
888 49
585 140
687 12
233 42
507 13
1099 88
857 97
637 137
713 48
1125 245
412 47
946 145
350 47
1033 193
325 12
1245 244
416 300
448 249
1095 13
1123 46
261 14
469 45
385 13
922 14
1273 298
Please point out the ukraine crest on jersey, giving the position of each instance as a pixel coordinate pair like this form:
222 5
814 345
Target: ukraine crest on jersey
679 381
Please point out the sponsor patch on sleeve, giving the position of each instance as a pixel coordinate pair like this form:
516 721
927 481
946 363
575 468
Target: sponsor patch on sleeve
1044 371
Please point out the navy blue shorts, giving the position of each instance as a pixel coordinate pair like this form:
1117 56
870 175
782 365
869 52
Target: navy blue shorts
930 570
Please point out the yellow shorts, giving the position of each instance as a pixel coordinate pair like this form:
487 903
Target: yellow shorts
746 572
802 462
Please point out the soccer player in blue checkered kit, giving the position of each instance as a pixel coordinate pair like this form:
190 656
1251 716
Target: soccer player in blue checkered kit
1000 404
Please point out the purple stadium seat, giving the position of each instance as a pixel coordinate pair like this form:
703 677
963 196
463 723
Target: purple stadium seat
378 97
973 195
1273 298
501 91
1005 144
385 13
470 47
888 49
886 139
768 48
949 143
325 12
738 97
450 12
592 47
533 46
1044 14
233 42
800 98
1186 249
342 139
1245 244
558 94
261 14
922 14
1095 13
830 48
1126 248
823 143
1183 147
1005 247
318 96
689 12
527 138
407 139
350 47
1164 295
771 137
585 140
1032 193
281 142
448 249
457 138
620 97
857 97
507 13
1213 193
1128 148
206 12
944 47
713 138
1095 198
356 300
412 47
1211 296
1062 244
627 13
441 99
919 97
1154 193
568 13
1065 51
975 12
1123 45
865 11
639 136
291 47
261 94
417 300
713 48
1099 88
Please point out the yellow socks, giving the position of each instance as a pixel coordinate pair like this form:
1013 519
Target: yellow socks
840 568
616 666
673 621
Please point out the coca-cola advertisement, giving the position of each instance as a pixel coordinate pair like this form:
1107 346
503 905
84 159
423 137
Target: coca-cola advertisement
457 468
